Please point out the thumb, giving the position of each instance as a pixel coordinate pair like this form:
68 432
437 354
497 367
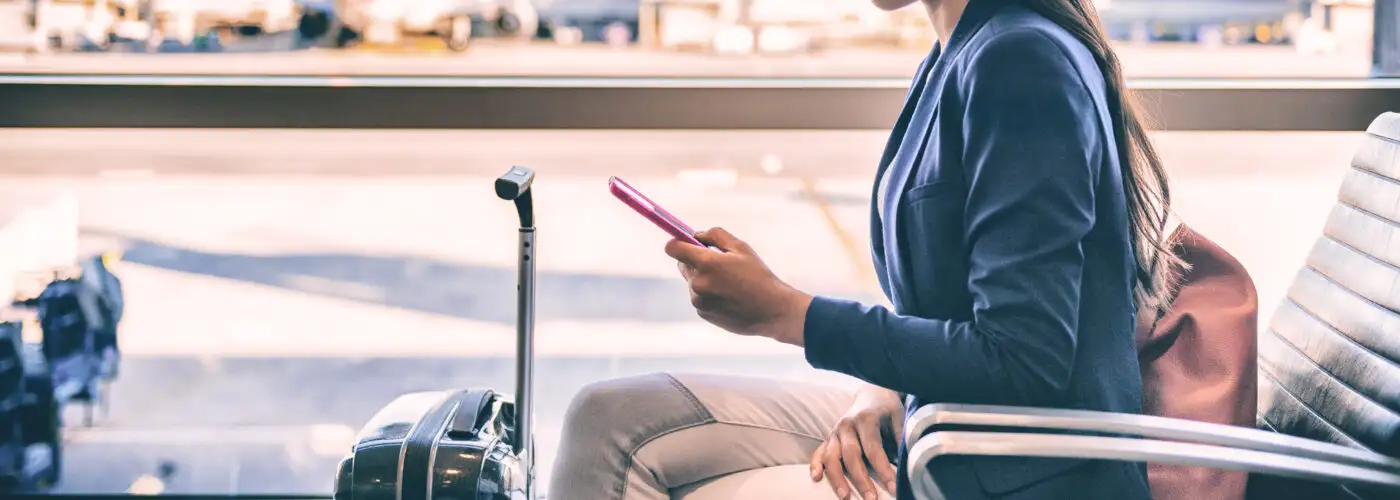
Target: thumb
721 239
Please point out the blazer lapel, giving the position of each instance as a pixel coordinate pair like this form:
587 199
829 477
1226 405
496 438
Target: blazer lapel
912 148
911 154
892 147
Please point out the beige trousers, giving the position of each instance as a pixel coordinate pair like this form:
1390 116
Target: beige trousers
695 437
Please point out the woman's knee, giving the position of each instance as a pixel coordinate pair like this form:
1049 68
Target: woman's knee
605 401
630 410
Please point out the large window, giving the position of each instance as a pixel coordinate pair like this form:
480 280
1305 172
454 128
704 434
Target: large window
1156 38
305 227
282 285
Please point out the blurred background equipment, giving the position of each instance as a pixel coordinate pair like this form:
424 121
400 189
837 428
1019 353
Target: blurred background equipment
778 26
183 18
71 24
30 443
77 304
203 23
574 21
717 27
1385 55
34 242
457 22
78 317
761 26
1208 22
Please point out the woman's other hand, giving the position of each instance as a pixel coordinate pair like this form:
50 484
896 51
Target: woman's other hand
733 289
857 445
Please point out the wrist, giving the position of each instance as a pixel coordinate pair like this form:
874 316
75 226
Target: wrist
792 325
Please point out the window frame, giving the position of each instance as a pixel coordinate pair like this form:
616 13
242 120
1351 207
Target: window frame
506 103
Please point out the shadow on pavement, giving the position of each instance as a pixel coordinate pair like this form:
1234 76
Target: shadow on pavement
481 293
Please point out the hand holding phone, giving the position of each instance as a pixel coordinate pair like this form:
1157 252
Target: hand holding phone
653 212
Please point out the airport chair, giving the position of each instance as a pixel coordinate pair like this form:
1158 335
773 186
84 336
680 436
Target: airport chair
1329 375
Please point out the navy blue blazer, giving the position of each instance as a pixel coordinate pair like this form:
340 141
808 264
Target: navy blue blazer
1005 250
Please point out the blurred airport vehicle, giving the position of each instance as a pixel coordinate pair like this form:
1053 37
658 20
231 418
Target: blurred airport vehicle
77 24
72 24
1337 25
105 303
30 424
516 18
249 17
778 26
78 316
148 24
131 21
16 25
75 357
79 302
574 21
1209 22
184 20
388 22
318 19
769 26
34 242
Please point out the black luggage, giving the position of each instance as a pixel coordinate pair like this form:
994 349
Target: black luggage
471 444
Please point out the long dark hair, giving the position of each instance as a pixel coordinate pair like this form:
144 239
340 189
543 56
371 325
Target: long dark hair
1144 177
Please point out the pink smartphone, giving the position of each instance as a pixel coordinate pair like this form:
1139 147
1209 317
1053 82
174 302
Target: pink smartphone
652 211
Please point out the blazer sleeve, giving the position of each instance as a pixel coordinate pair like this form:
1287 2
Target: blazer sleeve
1033 145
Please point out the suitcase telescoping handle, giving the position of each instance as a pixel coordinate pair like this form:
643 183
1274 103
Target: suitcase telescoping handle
515 186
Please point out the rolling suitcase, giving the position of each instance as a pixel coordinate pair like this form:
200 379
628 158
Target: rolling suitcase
469 444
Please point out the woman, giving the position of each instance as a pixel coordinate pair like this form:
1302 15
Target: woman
1018 215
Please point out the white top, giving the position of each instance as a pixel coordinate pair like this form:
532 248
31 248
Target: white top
880 191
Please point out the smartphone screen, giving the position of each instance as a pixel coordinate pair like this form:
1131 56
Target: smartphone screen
657 215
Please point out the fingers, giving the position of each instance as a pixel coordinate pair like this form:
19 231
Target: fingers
699 284
835 473
817 457
687 253
868 430
854 459
697 256
687 271
721 239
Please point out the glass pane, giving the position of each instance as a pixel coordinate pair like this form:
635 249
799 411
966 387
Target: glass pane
284 285
825 38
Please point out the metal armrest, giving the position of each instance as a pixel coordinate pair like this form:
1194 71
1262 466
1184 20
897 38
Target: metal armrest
942 443
1027 418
